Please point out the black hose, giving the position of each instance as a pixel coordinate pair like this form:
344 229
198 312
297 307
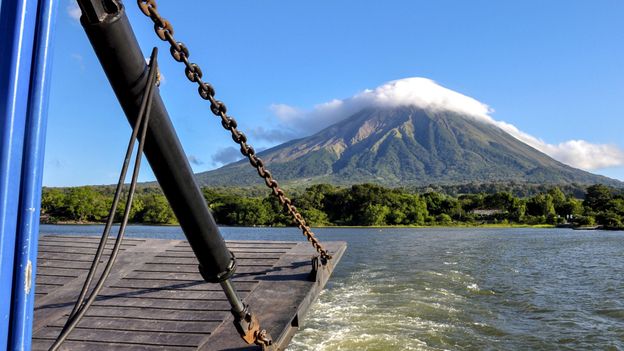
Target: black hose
81 307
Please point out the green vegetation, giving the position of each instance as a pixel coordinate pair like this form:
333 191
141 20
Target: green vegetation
357 205
90 204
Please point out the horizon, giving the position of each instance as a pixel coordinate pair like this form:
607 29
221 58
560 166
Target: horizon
537 73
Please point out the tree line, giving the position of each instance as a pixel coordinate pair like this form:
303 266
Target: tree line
357 205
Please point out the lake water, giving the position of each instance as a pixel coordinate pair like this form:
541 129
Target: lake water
456 289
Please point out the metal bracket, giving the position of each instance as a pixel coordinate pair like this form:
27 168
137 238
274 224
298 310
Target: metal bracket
96 11
248 327
210 277
318 269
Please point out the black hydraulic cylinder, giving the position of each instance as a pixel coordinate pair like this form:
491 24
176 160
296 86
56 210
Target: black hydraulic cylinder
118 51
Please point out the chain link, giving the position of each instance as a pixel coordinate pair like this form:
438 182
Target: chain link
180 53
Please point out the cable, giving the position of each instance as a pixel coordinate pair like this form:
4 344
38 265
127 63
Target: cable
81 307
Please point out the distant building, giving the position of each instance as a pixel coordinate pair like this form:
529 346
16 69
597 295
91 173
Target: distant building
486 212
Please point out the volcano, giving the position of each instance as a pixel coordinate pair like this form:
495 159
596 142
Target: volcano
402 146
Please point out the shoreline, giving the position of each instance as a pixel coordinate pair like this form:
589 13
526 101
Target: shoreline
452 226
463 225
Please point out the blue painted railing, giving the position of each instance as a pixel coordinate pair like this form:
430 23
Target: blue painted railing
25 39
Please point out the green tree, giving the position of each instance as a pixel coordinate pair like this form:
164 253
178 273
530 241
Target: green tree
597 198
314 196
444 219
374 214
584 220
613 216
609 219
251 212
360 204
406 209
571 208
616 205
498 201
276 212
516 210
315 217
85 204
135 210
470 202
156 210
211 195
53 204
312 204
540 205
435 203
559 200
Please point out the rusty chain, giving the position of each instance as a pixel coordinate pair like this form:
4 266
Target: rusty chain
180 53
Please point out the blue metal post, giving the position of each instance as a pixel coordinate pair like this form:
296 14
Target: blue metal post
17 28
32 171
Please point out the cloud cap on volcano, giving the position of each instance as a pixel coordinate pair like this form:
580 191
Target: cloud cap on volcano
427 94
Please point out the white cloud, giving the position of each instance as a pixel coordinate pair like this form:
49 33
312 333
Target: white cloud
226 155
427 94
576 153
73 10
421 92
195 160
285 112
275 135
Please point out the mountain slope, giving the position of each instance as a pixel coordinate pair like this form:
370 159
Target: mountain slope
406 145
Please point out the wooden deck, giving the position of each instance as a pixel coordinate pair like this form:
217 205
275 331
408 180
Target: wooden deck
156 300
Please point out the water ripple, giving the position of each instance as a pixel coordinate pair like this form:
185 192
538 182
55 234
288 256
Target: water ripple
473 290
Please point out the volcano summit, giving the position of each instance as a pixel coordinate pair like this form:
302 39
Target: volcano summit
409 132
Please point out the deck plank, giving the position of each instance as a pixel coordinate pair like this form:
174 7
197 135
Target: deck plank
155 299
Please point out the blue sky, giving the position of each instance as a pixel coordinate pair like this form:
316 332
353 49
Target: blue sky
554 70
